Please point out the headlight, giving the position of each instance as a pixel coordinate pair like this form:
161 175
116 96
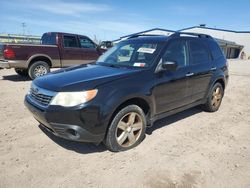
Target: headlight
69 99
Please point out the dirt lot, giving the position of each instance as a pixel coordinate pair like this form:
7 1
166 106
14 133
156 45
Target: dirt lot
190 149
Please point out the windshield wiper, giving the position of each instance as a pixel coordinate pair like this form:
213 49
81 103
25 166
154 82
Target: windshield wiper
109 65
115 66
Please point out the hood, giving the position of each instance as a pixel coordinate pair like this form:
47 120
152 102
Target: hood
82 77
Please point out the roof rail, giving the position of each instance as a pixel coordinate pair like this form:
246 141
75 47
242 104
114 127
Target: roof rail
141 35
200 35
174 35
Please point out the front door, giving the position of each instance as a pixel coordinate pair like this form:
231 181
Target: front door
89 49
71 53
172 87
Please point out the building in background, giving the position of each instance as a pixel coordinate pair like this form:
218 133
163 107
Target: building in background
15 38
235 44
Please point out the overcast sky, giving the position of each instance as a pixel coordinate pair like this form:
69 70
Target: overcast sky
110 19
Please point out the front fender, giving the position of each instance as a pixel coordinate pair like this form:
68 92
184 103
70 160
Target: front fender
116 98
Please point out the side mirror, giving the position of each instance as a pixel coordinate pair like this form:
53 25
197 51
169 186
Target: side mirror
169 65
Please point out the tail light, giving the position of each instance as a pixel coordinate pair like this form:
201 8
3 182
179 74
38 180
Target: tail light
9 53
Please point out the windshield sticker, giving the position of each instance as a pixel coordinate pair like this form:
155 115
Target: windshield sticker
146 50
139 64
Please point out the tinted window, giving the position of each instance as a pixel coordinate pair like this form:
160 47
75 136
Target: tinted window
130 54
143 56
106 44
49 39
176 52
86 43
70 42
215 50
199 52
125 53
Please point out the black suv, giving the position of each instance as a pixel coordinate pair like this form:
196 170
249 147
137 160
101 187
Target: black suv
135 83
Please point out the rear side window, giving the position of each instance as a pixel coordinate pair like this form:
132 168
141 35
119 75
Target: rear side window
215 50
199 53
176 52
70 42
86 43
48 39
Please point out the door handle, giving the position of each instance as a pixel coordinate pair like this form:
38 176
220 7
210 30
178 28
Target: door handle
213 68
189 74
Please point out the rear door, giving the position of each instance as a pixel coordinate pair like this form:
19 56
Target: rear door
89 49
201 68
71 53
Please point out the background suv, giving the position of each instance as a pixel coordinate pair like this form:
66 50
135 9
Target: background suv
133 84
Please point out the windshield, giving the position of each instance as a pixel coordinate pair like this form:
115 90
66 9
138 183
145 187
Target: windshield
130 54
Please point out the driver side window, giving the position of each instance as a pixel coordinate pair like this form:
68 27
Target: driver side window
176 52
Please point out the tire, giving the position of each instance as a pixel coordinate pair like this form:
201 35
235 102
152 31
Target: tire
21 72
38 68
126 130
214 98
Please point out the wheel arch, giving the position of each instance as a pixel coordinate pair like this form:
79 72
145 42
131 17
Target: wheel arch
40 57
221 81
139 101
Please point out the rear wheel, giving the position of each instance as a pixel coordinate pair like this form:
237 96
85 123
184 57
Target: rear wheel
38 68
214 98
21 72
127 129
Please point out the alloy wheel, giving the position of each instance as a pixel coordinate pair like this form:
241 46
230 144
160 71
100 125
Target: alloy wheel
129 129
216 97
40 70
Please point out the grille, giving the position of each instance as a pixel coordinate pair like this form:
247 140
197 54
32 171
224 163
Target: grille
40 98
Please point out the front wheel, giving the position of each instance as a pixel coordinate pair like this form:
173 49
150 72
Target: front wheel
127 129
38 68
214 98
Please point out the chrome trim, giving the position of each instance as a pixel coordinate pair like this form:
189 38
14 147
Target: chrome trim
213 68
4 64
13 63
189 74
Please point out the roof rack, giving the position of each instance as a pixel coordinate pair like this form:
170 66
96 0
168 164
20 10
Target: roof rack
142 35
200 35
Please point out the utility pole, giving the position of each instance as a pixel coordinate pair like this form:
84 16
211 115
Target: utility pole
23 25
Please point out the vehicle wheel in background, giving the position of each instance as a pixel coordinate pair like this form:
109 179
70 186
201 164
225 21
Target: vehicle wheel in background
22 72
38 68
127 129
214 98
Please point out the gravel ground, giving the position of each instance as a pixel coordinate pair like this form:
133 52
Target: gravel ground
190 149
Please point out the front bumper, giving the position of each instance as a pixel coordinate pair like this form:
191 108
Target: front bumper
81 124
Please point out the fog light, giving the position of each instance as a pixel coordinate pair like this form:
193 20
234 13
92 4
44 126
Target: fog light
72 133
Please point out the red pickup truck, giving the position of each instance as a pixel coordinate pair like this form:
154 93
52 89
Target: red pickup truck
55 51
